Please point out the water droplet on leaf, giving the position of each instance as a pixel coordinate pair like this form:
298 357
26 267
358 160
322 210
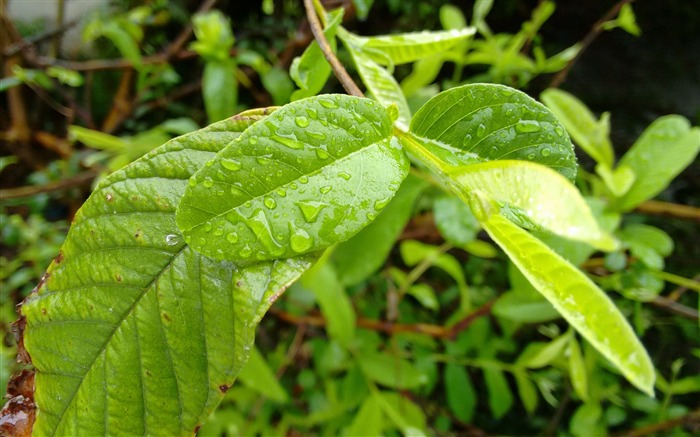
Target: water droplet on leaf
232 237
230 164
546 152
528 126
301 121
270 203
310 209
300 241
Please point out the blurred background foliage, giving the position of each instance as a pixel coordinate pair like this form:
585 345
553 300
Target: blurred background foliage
416 329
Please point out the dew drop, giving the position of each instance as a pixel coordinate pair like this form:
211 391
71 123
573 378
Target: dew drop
208 182
303 179
260 226
310 209
312 113
171 239
300 241
546 152
192 182
509 111
248 204
270 203
207 226
371 216
218 232
528 126
325 190
559 131
322 154
230 164
232 237
253 140
531 156
281 192
344 175
245 252
209 163
301 121
290 142
330 104
380 204
316 135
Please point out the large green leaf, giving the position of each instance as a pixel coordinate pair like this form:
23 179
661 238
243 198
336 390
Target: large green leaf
532 194
587 308
409 47
489 122
665 148
312 174
132 331
352 259
590 134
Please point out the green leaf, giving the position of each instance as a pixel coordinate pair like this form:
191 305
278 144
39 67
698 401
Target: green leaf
381 84
257 375
219 89
588 133
406 415
334 303
588 309
489 122
527 391
425 295
577 370
353 261
500 398
214 36
647 243
538 354
618 181
391 371
369 419
7 160
133 332
451 17
461 396
423 74
663 150
362 7
521 307
533 196
454 220
311 175
408 47
480 10
310 71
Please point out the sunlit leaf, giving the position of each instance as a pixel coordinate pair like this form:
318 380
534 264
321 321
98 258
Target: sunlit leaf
533 196
587 308
311 175
132 331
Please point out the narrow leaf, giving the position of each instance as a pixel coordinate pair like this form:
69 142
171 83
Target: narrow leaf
489 122
587 308
461 396
311 175
369 419
391 371
532 194
665 148
410 47
527 391
500 397
132 332
381 84
219 89
257 375
577 370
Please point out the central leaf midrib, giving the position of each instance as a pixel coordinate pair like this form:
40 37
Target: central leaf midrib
272 190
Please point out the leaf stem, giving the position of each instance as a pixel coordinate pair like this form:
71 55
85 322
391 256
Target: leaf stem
678 280
338 69
657 207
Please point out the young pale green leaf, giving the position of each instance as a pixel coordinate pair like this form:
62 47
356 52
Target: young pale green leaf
587 308
310 71
577 370
408 47
406 415
311 175
132 331
352 260
538 354
490 122
219 89
618 181
665 148
369 419
590 134
527 391
381 84
532 194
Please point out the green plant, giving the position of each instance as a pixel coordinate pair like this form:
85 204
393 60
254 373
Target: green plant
198 238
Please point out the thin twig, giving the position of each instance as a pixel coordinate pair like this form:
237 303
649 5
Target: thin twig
338 69
80 179
691 420
587 41
657 207
675 307
34 40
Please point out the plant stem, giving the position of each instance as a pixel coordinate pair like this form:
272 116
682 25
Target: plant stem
657 207
679 280
30 190
338 69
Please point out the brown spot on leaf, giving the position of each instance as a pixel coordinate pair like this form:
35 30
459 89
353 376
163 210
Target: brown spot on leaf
59 258
17 416
224 388
119 277
137 234
18 331
166 317
196 429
